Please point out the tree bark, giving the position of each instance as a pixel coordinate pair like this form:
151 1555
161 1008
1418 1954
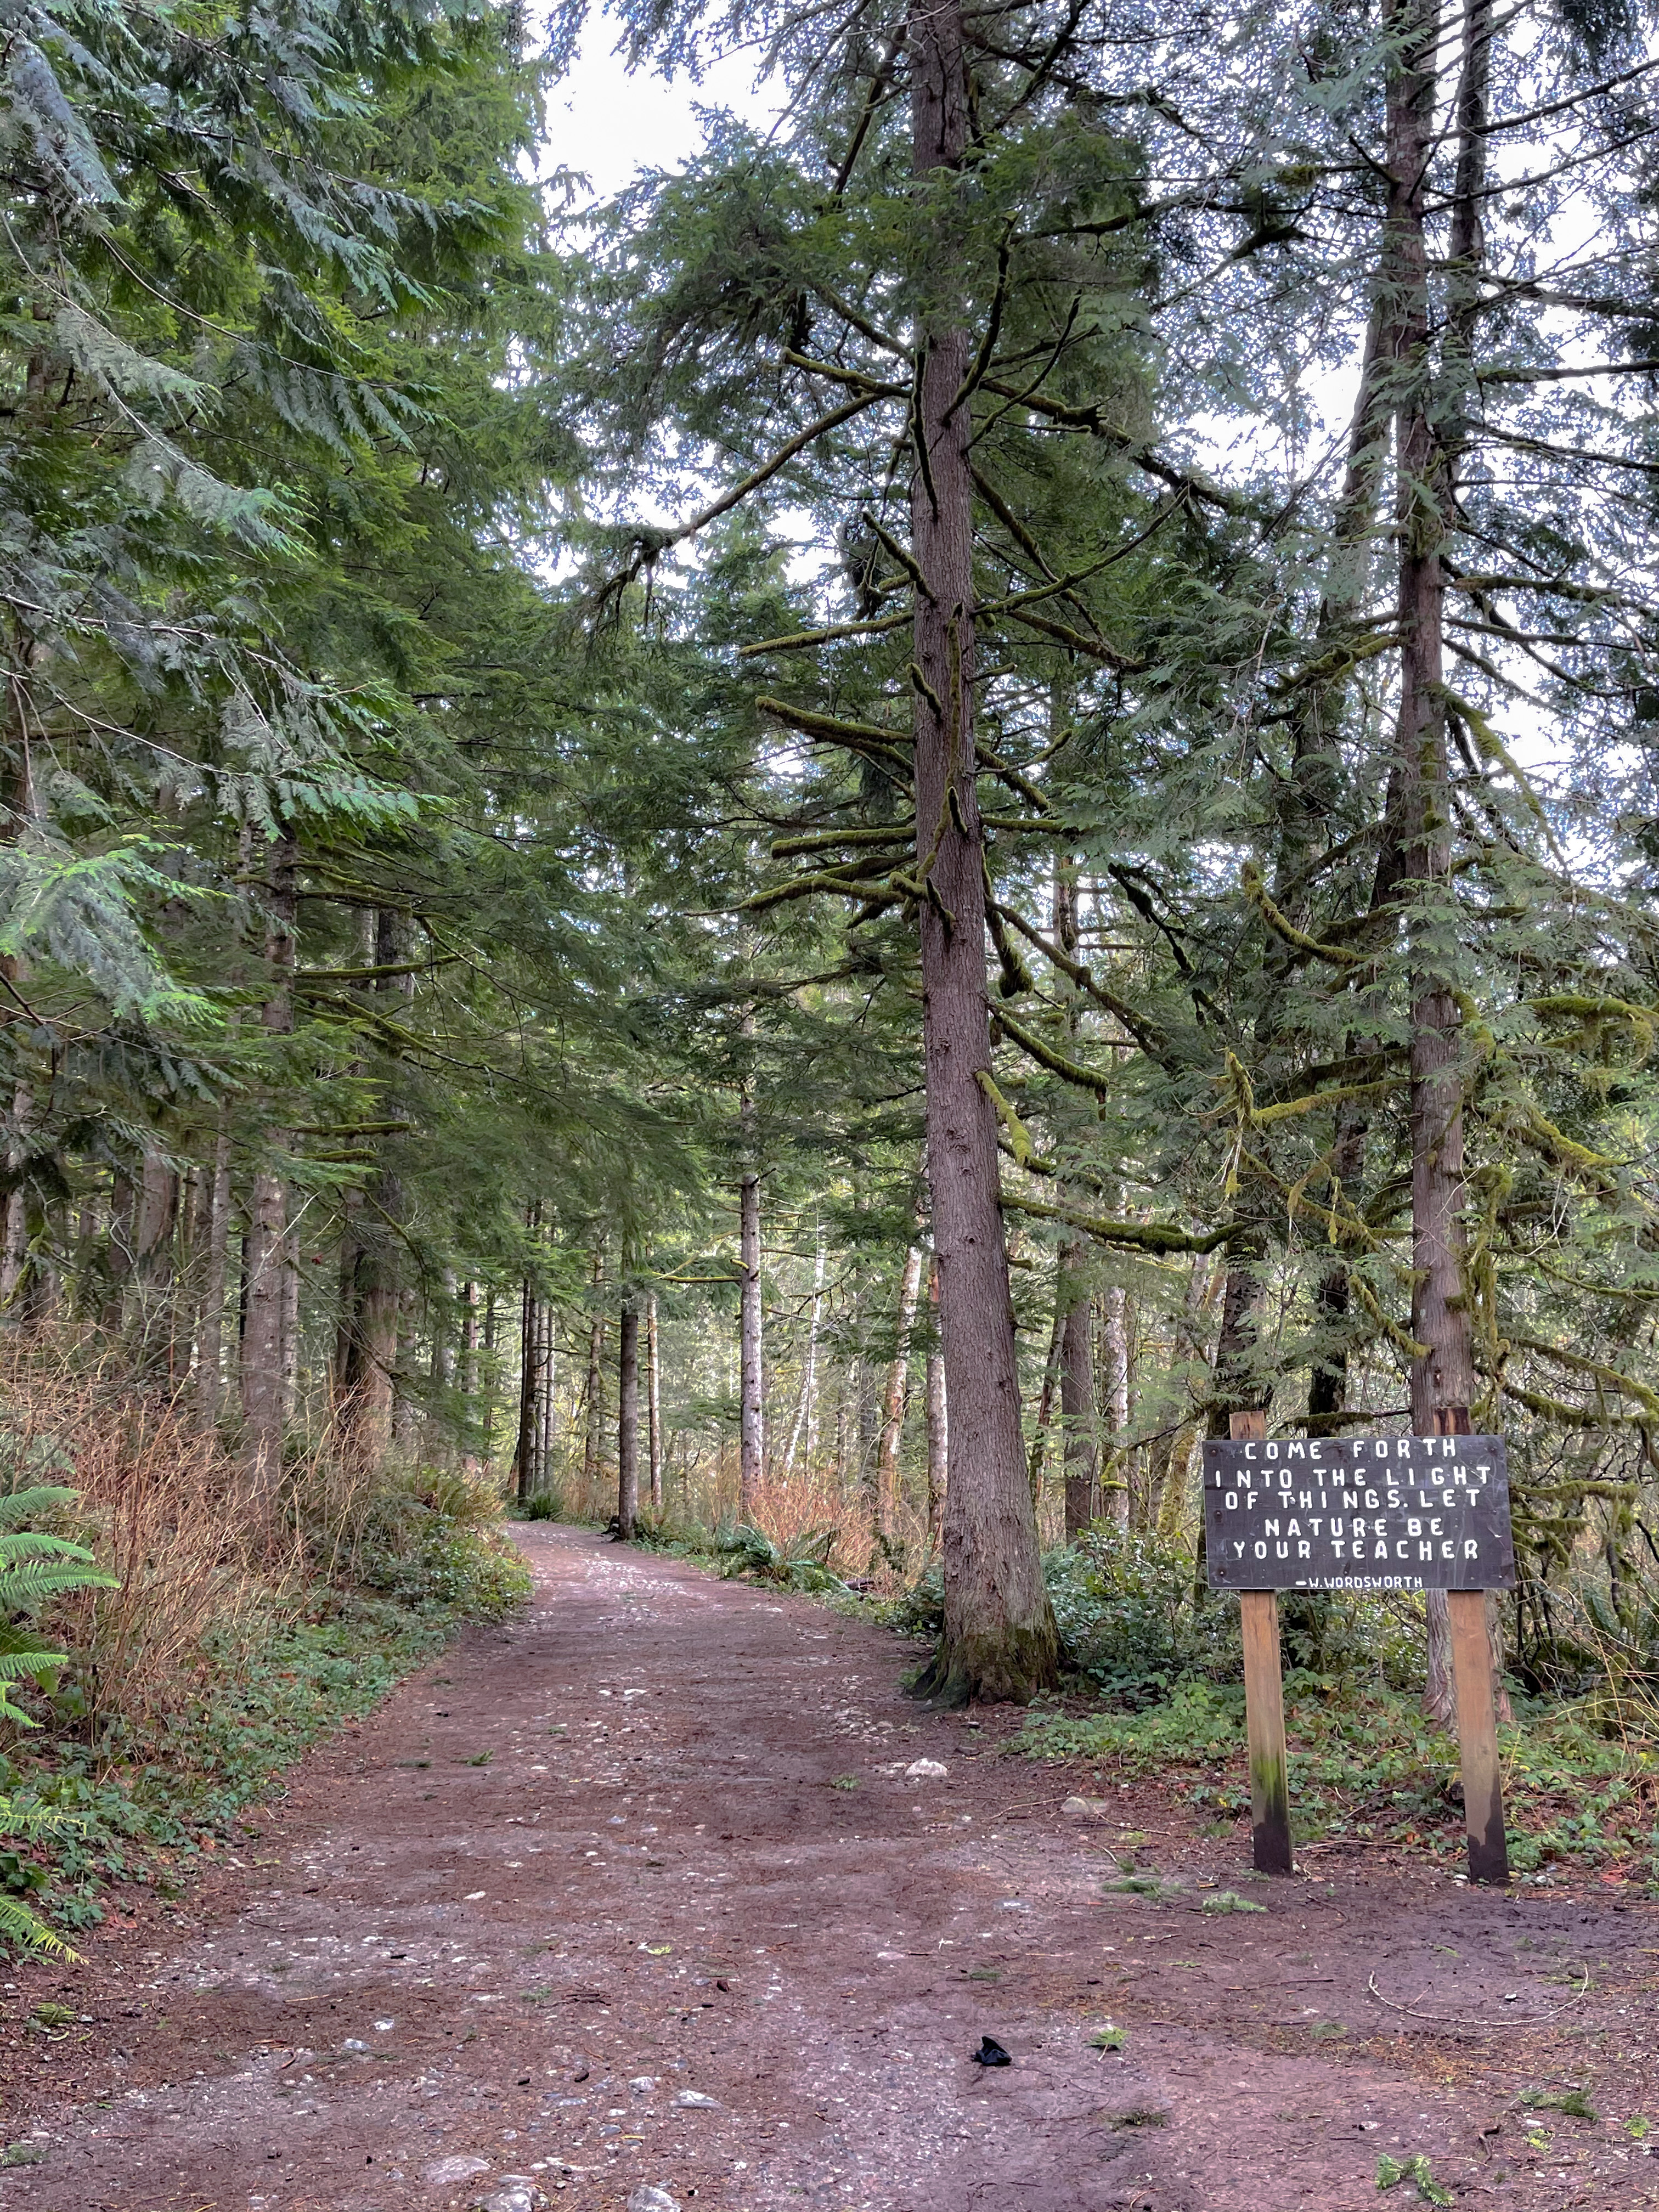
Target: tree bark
215 1244
1000 1639
15 1231
1080 1441
377 1300
628 1421
262 1376
653 1401
805 1422
524 1450
1443 1373
469 1378
593 1438
892 1426
1171 1463
751 1423
938 1431
1116 1324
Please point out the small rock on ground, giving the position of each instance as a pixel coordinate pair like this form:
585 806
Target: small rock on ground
444 2172
647 2198
514 2192
1087 1808
694 2101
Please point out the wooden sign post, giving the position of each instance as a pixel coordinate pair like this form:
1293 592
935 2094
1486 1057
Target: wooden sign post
1477 1711
1363 1513
1264 1710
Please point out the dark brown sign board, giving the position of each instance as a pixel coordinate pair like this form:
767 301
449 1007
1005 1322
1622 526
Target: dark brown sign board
1363 1513
1357 1513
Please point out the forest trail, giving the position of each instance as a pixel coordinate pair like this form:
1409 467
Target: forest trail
592 1871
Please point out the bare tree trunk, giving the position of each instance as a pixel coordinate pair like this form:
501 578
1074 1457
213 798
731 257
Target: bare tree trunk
214 1240
1000 1639
375 1302
262 1376
805 1424
1442 1375
1080 1441
1048 1390
469 1375
593 1442
892 1427
654 1399
291 1344
524 1451
547 1428
1115 1334
938 1433
751 1425
152 1280
15 1230
489 1378
627 1420
1167 1477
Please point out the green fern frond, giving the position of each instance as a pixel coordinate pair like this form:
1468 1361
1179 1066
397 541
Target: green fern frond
28 1932
24 1504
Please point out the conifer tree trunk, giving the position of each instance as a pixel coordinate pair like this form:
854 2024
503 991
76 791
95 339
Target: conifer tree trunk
805 1428
1046 1392
545 1425
1166 1484
14 1229
215 1244
154 1224
627 1420
470 1373
654 1399
939 1434
751 1426
523 1448
489 1376
1079 1443
593 1442
1114 1332
1000 1639
376 1301
1443 1376
892 1427
262 1370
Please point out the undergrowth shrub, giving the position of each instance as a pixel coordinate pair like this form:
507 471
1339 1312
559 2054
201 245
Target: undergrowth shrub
214 1648
436 1539
742 1550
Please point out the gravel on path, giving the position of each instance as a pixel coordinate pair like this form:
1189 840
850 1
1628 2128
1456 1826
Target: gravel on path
664 1897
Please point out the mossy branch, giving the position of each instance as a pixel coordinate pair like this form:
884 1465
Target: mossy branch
1133 1236
1254 888
1057 1063
1019 1137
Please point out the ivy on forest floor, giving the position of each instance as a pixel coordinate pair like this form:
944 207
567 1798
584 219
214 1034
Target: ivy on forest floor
1370 1768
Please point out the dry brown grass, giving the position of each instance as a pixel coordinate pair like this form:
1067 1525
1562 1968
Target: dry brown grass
158 1504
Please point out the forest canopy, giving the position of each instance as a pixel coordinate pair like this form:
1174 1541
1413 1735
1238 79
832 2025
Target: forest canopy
849 844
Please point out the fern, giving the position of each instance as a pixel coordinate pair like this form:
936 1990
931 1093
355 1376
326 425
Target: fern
19 1926
35 1567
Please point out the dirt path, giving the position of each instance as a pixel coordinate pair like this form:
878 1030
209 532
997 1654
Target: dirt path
591 1903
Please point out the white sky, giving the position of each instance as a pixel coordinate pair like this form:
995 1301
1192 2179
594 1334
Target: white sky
609 125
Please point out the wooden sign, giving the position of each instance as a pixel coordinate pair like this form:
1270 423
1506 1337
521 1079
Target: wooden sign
1357 1513
1367 1513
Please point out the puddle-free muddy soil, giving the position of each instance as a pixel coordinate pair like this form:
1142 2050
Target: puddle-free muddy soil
638 1894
